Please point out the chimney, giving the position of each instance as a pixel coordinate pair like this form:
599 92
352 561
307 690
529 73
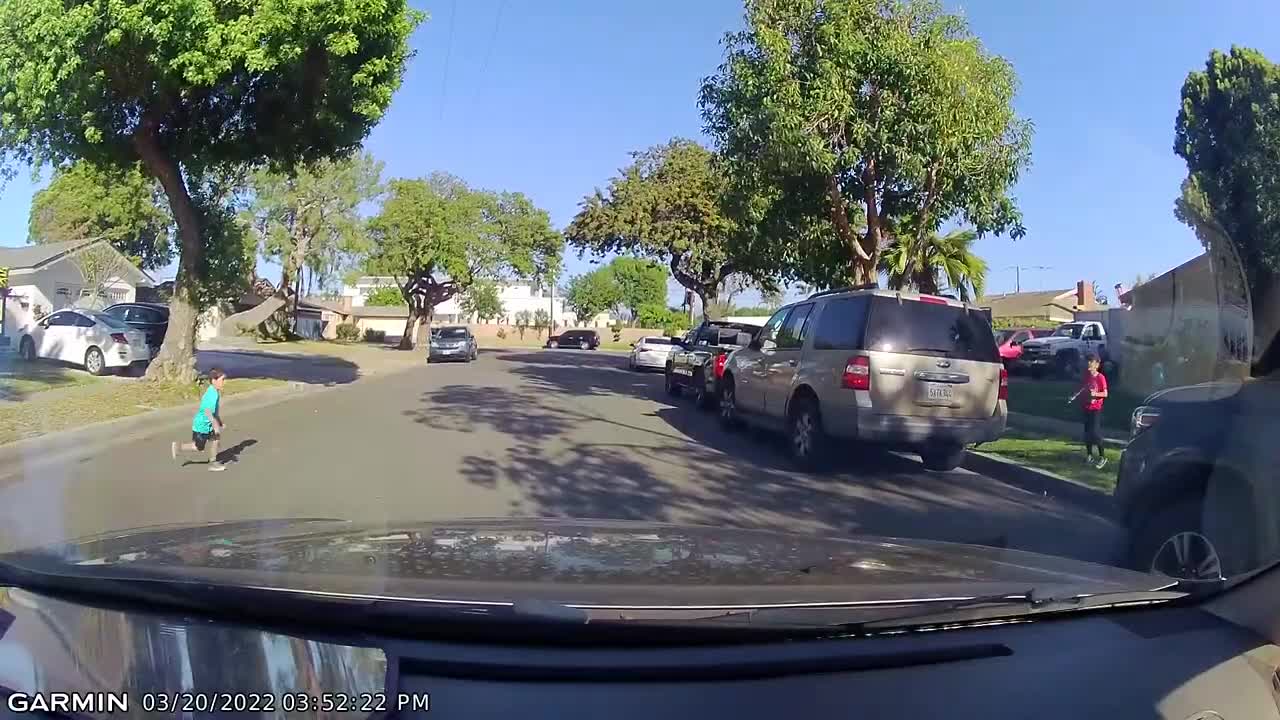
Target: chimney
1084 295
344 304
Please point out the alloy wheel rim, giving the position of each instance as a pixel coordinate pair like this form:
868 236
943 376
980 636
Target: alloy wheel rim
94 363
1188 555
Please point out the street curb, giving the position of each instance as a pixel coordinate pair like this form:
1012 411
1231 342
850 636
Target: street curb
1055 426
1040 482
50 446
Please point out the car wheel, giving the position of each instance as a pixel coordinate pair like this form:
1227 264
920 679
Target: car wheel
942 459
1068 366
729 417
27 349
673 389
554 344
701 398
584 345
807 441
1173 541
94 362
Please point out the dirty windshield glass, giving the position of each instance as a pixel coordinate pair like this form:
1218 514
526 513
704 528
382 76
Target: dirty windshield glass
410 250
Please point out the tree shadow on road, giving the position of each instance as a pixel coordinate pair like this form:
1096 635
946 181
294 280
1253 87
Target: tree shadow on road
567 460
304 368
583 373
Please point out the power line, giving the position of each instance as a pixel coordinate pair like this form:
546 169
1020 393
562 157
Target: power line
493 36
1018 273
448 51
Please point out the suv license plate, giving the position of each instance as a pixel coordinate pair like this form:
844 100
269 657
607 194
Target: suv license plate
938 392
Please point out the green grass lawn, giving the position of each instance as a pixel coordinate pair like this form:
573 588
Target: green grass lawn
73 406
1064 457
19 380
1048 398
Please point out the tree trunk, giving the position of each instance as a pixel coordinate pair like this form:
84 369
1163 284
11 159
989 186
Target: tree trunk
176 360
424 329
410 331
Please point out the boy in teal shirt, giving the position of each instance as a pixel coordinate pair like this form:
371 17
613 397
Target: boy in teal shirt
206 426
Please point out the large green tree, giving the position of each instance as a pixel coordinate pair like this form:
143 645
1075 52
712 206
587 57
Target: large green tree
850 122
123 206
667 205
936 262
590 294
438 237
641 283
308 217
189 86
1228 132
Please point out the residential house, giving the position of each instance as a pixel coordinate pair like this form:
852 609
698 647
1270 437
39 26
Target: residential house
44 278
516 297
1041 307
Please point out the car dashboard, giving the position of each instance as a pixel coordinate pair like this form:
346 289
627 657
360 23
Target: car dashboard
1177 663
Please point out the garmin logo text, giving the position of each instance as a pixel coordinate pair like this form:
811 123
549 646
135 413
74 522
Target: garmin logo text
94 703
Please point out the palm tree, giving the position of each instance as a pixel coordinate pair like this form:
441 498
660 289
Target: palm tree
922 263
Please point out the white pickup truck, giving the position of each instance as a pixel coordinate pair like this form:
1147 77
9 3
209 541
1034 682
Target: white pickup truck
1064 351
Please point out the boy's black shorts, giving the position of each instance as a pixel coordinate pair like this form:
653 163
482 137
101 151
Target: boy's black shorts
200 438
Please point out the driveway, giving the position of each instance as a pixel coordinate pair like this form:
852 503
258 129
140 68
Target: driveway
525 433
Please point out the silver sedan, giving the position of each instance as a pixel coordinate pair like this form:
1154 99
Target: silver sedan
650 353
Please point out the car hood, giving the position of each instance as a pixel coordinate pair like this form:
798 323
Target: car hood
604 563
1047 341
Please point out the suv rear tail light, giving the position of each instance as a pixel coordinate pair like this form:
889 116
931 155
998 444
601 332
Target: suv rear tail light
857 373
721 359
1004 383
120 338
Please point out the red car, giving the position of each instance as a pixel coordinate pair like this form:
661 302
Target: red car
1010 342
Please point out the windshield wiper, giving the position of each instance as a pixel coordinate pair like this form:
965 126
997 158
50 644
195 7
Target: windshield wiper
944 351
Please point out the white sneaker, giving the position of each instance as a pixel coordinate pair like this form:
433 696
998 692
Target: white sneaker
216 467
1102 462
173 450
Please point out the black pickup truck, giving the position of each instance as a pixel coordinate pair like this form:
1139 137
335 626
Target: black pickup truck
699 363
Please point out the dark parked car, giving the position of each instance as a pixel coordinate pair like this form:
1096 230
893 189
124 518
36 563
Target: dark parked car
699 365
1197 485
150 318
452 342
582 339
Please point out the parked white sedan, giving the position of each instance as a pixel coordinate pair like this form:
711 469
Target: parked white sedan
88 338
651 353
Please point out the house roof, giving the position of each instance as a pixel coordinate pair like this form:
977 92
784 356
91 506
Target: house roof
1025 304
30 257
399 311
34 257
324 304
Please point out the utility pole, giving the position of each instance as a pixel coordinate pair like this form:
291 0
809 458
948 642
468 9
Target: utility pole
1017 278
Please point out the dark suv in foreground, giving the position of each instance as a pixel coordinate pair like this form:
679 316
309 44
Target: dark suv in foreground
866 366
582 339
1196 485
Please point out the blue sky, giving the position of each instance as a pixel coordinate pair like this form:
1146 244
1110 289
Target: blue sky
548 98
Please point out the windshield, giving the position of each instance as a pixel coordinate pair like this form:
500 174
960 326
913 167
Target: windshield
930 329
110 321
410 251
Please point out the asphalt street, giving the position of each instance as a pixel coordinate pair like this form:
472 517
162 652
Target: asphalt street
522 433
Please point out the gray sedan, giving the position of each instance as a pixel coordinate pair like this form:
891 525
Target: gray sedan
650 353
452 342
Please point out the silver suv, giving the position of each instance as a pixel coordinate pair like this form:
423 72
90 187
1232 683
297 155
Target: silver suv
919 372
